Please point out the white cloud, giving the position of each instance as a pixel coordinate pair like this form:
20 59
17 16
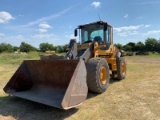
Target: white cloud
1 34
124 34
131 28
51 17
146 26
40 38
44 36
152 32
126 16
134 30
42 30
128 28
34 39
15 38
44 25
70 36
5 17
134 33
96 4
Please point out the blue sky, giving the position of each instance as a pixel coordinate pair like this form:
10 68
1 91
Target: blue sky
53 21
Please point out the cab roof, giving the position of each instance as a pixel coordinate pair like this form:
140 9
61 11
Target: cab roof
98 22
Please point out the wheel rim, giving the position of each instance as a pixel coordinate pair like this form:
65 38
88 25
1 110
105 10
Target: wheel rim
123 69
103 75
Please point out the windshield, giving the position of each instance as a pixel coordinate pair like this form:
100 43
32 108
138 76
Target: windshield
92 32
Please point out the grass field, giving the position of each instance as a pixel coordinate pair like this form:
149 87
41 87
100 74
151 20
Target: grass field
135 98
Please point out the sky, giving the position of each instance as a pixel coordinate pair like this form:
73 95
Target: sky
54 21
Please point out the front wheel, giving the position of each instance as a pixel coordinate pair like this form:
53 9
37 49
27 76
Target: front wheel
97 75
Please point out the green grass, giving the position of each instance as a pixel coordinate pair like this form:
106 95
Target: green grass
135 98
7 58
154 54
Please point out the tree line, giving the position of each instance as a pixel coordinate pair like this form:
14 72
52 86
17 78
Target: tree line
25 47
150 45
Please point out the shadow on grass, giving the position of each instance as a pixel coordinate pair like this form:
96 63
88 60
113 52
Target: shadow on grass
113 81
22 109
92 95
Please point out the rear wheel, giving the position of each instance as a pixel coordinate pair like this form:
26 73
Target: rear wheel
97 75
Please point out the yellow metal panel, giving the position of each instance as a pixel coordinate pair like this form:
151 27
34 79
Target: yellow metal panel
112 62
109 55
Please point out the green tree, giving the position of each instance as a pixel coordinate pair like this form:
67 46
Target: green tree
6 47
119 46
132 45
140 46
158 46
2 47
9 48
15 48
150 44
25 47
65 47
128 48
46 46
59 49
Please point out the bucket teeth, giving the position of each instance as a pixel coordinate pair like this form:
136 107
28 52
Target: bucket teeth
57 83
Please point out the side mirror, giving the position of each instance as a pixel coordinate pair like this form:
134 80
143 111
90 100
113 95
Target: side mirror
75 32
105 26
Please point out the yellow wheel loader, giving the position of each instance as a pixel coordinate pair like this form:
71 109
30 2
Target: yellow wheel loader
63 82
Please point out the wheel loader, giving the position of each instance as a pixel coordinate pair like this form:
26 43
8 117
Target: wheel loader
64 82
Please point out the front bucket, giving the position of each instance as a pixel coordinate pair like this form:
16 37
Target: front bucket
57 83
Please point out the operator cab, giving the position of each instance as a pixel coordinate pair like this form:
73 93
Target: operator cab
99 32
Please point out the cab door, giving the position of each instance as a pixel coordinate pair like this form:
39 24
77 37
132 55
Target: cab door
108 37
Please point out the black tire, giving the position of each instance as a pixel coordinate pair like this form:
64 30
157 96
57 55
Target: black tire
121 68
95 66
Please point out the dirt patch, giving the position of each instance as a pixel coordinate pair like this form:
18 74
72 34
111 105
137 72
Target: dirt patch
7 118
149 61
1 69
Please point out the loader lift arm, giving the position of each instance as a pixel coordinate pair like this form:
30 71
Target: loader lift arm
73 54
